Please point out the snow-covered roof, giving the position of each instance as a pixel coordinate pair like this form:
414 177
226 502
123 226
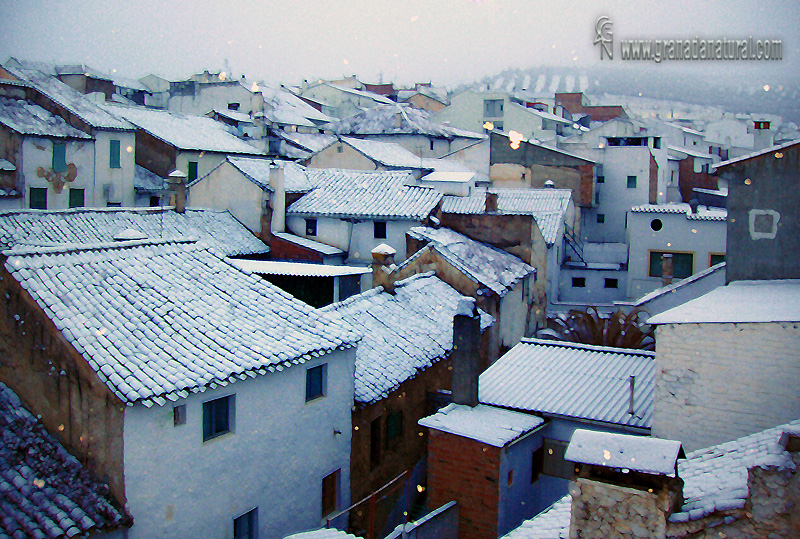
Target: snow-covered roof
319 247
383 120
313 142
234 115
540 144
163 319
403 333
613 450
72 100
671 288
255 169
183 131
386 153
46 492
548 206
486 265
28 119
487 424
703 213
301 269
691 151
552 523
448 176
7 165
573 380
324 533
715 479
373 195
218 229
765 151
147 181
739 302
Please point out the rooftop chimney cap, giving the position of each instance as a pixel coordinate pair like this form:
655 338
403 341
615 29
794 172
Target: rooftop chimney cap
465 307
177 176
550 184
384 249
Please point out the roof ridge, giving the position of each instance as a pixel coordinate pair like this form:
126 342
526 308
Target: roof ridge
28 250
588 347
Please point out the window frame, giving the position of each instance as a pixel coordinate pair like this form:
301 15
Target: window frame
493 108
114 155
59 161
330 498
537 463
601 218
39 191
192 172
711 257
377 233
250 520
611 280
311 227
312 393
210 429
77 191
578 282
632 182
675 275
553 463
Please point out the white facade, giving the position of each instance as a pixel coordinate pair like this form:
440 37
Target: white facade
208 96
114 185
275 459
37 153
226 188
206 161
700 234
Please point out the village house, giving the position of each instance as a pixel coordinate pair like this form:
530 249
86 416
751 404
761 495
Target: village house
238 123
45 491
364 154
424 97
341 101
402 359
577 104
102 164
206 91
154 362
296 145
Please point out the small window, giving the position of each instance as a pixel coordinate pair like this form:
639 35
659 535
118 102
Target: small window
113 204
554 463
246 526
510 477
611 283
339 149
179 415
315 382
579 282
656 142
601 218
76 198
537 464
155 201
218 417
631 182
233 106
59 157
715 259
330 493
192 171
394 427
601 179
38 198
311 227
656 225
431 144
492 108
498 126
375 442
113 156
380 230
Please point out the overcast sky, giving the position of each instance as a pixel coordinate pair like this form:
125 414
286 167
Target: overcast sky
443 41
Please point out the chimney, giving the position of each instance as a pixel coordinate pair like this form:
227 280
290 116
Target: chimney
277 200
633 388
491 201
466 350
384 271
666 269
693 205
398 120
549 184
177 190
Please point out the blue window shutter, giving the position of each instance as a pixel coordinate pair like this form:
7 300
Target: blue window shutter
59 157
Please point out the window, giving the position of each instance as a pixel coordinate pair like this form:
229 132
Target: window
498 126
311 227
192 171
113 204
631 182
339 149
179 415
315 382
537 464
431 144
601 218
38 198
492 108
579 282
75 198
657 142
510 477
601 179
218 417
553 462
375 442
611 283
379 229
715 258
155 201
656 225
682 264
246 526
59 157
394 428
330 493
233 106
113 156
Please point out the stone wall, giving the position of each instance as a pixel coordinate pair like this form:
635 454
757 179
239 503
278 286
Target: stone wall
719 382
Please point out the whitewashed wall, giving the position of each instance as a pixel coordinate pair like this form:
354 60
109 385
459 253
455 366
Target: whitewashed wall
38 152
225 188
179 486
718 382
121 179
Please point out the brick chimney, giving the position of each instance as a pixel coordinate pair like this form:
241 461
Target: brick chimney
177 190
398 120
466 352
384 271
491 201
277 199
666 269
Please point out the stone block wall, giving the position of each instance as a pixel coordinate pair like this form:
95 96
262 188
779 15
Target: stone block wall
719 382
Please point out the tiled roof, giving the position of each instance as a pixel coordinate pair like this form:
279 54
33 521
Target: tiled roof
715 479
29 119
404 333
347 193
739 302
573 380
234 115
382 120
44 491
256 169
285 107
165 319
625 451
72 100
183 131
386 153
298 269
146 181
670 288
553 523
703 213
322 248
547 206
218 229
690 151
487 424
313 142
486 265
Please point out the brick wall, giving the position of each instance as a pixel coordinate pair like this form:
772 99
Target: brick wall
468 472
719 382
